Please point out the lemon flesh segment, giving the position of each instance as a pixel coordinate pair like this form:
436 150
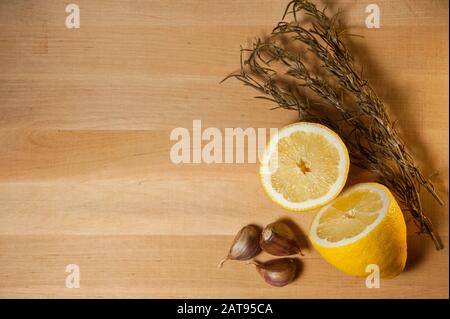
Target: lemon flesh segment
308 167
349 215
305 166
363 226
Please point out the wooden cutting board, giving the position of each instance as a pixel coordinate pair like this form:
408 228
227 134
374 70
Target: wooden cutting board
85 172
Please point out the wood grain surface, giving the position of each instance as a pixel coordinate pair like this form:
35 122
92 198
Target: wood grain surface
85 173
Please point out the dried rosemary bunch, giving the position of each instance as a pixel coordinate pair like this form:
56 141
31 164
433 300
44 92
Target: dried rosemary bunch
307 67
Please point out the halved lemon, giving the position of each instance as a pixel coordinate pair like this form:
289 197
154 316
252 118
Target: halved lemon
305 166
363 226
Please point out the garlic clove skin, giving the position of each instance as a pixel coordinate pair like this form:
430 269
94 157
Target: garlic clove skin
278 272
245 245
279 239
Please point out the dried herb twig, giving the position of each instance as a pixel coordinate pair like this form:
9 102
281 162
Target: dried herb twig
346 102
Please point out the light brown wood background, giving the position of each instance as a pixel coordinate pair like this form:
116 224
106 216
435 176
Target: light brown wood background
85 173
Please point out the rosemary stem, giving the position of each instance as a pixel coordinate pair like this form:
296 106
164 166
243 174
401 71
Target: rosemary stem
348 104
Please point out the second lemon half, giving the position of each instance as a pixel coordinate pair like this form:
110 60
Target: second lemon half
305 166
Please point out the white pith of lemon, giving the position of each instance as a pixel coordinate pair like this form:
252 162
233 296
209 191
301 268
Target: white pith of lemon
305 166
362 226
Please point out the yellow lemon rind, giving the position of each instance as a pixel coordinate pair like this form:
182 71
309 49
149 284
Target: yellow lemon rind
384 245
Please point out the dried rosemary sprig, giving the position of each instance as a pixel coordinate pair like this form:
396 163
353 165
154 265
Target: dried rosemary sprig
283 68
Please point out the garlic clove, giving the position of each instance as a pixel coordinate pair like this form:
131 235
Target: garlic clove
278 272
279 239
245 244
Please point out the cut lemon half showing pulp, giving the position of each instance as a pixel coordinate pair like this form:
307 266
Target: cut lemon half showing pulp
305 165
361 229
